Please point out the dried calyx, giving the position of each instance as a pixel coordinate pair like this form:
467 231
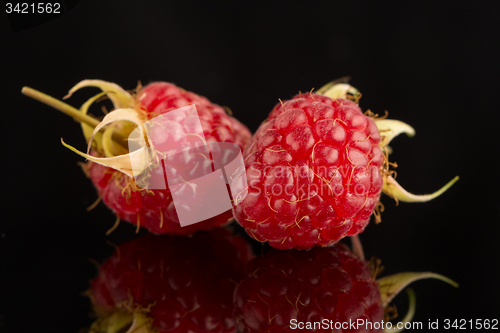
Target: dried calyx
107 136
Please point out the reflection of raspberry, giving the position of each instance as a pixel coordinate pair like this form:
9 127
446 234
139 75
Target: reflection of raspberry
154 209
178 284
329 287
314 172
322 284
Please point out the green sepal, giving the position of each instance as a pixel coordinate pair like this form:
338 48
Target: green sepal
389 129
336 90
87 129
119 97
412 300
123 322
392 188
122 163
391 285
119 115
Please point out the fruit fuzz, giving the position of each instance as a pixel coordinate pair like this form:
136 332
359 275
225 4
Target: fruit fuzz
316 169
286 291
109 166
174 284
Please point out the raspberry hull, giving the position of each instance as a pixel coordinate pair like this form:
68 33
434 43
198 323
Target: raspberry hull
171 284
282 288
314 172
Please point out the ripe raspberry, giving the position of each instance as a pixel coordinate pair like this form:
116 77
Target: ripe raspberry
170 284
315 172
285 290
152 209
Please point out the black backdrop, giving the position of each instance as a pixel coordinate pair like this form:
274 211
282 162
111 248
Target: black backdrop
432 66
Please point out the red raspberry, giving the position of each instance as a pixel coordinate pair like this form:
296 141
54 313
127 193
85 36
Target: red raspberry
170 284
314 171
285 291
152 209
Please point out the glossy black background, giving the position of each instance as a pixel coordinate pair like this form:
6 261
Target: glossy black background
432 66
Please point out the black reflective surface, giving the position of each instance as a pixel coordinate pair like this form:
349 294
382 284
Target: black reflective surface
434 67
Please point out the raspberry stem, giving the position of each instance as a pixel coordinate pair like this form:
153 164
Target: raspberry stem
68 110
61 106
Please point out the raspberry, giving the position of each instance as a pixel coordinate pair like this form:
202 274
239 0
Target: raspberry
288 290
149 208
315 170
152 209
170 284
314 173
